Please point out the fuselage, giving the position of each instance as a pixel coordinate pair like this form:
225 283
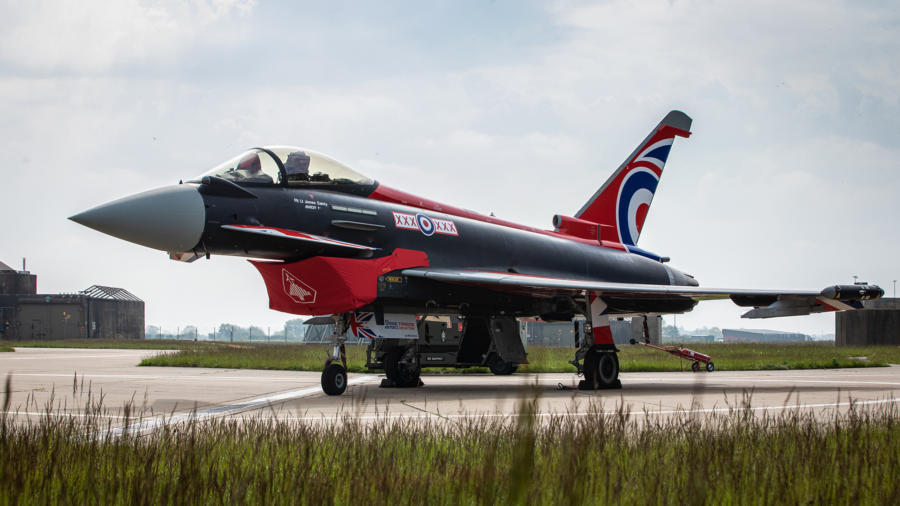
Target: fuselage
301 205
467 243
450 241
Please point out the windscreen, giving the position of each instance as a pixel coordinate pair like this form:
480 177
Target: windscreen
254 166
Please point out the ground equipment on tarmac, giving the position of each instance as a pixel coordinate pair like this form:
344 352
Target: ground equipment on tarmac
683 353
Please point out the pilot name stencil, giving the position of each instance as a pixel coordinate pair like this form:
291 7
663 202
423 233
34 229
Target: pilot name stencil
426 225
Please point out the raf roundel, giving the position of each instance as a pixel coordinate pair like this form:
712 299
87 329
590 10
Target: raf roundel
425 224
635 196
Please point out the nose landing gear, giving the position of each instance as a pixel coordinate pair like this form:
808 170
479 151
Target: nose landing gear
334 375
334 379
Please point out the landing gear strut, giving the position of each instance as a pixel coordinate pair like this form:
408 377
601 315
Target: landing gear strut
596 356
334 375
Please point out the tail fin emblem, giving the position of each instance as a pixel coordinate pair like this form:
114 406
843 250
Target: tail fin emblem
624 199
635 196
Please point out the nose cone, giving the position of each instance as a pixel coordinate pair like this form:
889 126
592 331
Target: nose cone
170 218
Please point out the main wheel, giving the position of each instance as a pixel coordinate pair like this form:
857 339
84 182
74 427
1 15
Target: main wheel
334 379
710 367
695 366
402 375
499 366
601 370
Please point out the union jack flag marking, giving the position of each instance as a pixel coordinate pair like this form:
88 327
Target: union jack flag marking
358 325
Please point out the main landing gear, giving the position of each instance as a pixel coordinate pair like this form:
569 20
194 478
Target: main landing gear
600 368
402 369
597 357
500 367
334 375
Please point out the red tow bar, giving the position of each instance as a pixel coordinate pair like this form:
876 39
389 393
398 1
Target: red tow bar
694 356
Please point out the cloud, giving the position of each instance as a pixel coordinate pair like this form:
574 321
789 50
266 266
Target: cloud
96 36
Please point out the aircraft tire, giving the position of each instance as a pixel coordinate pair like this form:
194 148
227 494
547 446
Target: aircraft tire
601 371
710 367
334 379
500 367
695 366
401 375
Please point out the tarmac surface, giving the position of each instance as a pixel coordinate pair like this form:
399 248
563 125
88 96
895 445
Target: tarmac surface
67 381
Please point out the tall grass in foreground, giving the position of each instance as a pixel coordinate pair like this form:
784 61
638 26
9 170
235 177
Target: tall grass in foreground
605 457
632 358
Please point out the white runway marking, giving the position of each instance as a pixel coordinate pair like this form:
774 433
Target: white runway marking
306 392
426 414
222 410
211 375
45 357
230 409
689 379
847 381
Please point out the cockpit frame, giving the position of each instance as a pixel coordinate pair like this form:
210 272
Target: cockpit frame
309 170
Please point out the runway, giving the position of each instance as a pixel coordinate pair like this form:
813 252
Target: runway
64 380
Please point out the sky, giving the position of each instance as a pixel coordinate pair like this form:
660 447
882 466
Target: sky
790 179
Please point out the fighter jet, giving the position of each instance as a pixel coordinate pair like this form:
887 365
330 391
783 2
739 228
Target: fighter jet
429 283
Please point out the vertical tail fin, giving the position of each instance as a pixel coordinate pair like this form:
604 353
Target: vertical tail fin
624 200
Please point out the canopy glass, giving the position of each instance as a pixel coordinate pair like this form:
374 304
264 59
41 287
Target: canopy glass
286 165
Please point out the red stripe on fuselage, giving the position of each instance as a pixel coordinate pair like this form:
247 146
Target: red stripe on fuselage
394 196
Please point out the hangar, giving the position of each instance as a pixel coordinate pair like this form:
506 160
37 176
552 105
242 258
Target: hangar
878 323
96 312
762 336
536 332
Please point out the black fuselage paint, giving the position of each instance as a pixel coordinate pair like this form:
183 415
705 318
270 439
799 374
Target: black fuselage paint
476 245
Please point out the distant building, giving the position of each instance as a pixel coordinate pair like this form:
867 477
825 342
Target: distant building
13 282
540 333
96 312
877 323
692 339
762 336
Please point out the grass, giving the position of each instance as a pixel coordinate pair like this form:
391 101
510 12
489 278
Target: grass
730 356
764 356
606 457
4 348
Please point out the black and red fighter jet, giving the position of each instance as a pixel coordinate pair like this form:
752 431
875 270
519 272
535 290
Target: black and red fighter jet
429 283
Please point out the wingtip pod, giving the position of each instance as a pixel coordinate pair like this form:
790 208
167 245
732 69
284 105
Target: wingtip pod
832 298
853 292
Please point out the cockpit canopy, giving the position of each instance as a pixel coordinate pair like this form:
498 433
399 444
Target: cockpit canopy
287 166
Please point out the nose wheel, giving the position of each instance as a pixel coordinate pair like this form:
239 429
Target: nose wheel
334 379
334 375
